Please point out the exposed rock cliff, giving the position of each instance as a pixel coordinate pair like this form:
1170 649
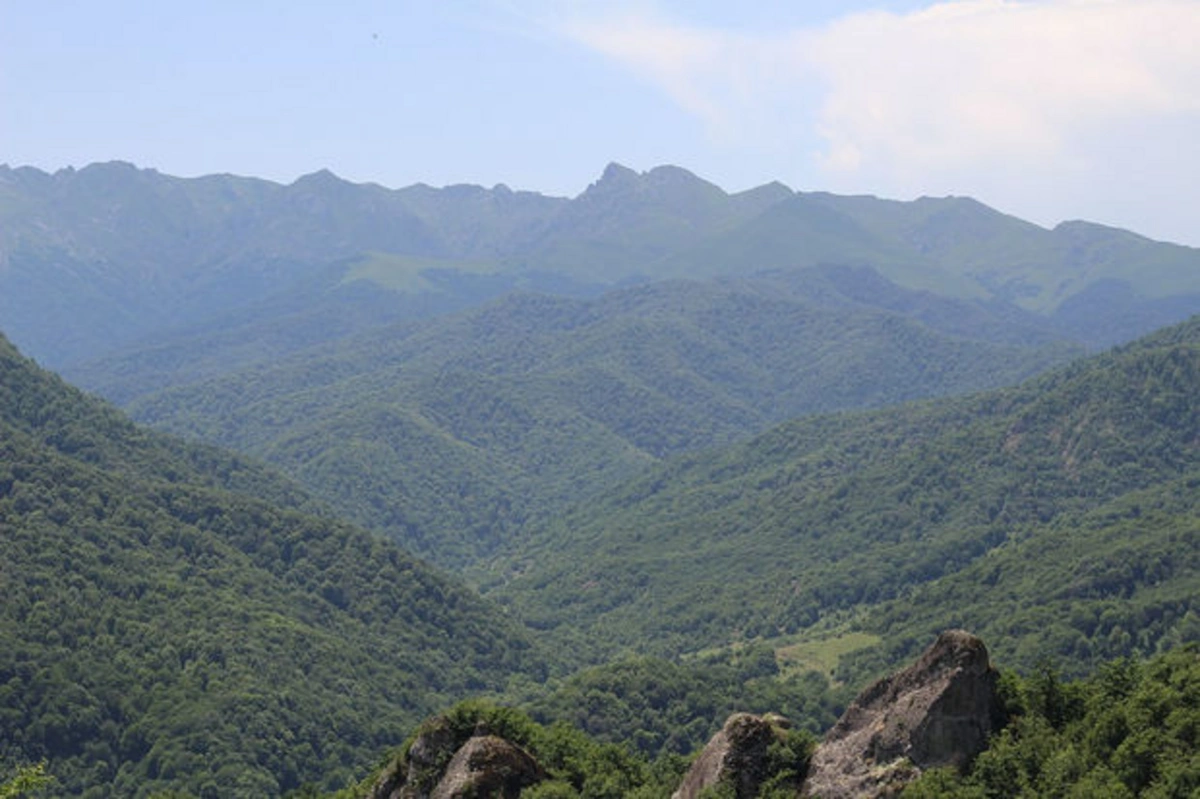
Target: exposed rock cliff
937 712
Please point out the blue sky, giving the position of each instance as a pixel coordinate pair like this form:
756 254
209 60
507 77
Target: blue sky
1047 109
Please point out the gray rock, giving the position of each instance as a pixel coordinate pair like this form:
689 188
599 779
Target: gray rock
937 712
407 773
487 765
737 754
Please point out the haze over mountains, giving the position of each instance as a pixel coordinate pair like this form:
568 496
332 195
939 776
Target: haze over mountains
305 323
658 432
111 257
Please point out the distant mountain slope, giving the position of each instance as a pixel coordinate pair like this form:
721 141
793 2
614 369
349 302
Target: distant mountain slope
949 511
166 626
110 257
100 256
451 435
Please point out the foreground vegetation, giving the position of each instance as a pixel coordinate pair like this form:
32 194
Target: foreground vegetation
659 707
1130 730
576 764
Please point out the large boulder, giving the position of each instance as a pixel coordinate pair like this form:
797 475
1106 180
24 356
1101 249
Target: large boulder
434 767
937 712
488 765
736 755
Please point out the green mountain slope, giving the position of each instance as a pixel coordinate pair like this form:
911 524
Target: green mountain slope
845 512
165 626
107 254
1090 586
450 436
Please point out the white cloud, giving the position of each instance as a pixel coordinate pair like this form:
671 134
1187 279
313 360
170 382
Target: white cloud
717 75
679 59
954 97
984 79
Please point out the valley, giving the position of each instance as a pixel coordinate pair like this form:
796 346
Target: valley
607 469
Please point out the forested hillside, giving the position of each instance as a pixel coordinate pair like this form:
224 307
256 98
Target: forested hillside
451 436
1060 514
172 619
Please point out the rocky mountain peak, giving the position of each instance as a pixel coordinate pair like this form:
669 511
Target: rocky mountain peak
615 179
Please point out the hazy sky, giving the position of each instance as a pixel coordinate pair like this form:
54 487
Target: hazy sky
1047 109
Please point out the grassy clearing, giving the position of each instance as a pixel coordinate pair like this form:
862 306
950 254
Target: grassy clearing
404 272
823 654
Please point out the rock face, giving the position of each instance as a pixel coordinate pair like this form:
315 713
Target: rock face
488 766
485 765
937 712
737 754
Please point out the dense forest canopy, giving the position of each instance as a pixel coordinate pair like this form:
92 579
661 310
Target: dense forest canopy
452 436
174 620
911 519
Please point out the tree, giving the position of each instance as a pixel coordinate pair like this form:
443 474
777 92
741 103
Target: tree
27 779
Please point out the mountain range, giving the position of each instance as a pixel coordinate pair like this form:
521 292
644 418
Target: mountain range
110 258
630 460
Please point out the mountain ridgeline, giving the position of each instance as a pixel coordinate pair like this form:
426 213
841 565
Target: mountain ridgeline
110 258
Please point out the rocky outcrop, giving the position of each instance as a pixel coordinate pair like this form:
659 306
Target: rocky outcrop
940 711
433 768
937 712
736 755
488 766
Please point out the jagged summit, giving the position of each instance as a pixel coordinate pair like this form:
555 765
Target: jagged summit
666 178
614 171
320 178
615 178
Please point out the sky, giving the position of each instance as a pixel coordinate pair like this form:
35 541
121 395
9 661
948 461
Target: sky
1050 110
